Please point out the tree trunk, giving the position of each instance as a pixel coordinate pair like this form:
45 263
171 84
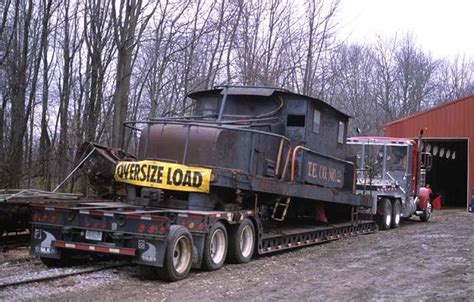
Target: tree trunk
18 87
64 99
45 142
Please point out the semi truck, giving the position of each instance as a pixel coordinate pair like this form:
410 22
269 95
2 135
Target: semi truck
252 171
393 171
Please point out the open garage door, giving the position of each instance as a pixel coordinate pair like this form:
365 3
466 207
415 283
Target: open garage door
449 173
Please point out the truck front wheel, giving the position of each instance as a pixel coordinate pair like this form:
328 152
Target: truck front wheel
427 212
396 213
215 249
384 214
178 255
242 242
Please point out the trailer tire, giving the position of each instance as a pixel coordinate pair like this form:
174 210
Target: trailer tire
241 242
215 247
384 214
396 213
178 255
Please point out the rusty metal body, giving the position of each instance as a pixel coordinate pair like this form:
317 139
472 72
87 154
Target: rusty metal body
265 140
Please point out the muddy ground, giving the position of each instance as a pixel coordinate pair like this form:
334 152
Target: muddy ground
419 261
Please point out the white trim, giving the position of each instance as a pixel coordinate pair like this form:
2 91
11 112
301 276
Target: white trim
468 175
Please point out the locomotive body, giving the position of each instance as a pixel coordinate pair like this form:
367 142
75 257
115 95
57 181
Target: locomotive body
246 135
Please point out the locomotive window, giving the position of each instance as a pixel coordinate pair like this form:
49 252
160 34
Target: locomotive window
208 106
295 120
340 133
316 120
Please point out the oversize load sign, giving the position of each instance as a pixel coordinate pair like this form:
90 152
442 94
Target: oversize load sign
155 174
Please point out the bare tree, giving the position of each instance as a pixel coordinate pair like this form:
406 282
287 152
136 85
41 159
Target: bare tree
320 28
18 66
454 79
125 20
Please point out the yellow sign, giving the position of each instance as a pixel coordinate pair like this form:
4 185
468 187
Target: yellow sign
156 174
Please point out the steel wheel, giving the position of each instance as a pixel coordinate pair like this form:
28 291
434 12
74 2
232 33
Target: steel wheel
384 214
396 213
215 247
182 252
218 246
427 213
242 242
246 241
178 255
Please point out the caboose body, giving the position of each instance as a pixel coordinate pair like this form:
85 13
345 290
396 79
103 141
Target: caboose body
252 171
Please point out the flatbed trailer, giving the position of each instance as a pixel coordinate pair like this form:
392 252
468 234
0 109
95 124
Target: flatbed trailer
254 171
143 234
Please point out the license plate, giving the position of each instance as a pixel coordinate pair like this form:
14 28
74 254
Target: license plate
94 235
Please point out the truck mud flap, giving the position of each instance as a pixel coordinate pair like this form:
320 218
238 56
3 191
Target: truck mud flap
150 252
42 242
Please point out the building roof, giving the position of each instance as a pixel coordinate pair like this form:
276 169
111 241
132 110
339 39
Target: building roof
423 112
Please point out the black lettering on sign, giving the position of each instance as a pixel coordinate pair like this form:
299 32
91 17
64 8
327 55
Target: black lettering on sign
153 173
177 177
159 176
168 177
120 171
143 173
137 172
148 171
197 179
127 170
187 179
132 172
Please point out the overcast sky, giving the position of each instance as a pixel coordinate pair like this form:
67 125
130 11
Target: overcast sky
442 27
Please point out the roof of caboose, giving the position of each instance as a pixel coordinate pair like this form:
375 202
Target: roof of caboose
261 91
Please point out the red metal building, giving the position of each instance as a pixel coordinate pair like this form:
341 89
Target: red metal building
449 136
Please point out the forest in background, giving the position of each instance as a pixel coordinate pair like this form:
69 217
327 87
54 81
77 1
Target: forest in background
73 71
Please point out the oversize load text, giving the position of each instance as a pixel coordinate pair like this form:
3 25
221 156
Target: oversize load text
163 175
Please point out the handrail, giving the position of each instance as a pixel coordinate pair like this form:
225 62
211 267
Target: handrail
283 139
299 147
126 123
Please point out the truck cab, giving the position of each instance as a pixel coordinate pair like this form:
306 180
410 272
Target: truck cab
392 171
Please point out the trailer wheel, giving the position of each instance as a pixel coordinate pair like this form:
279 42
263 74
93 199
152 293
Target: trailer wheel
215 248
242 242
384 214
427 213
178 255
396 213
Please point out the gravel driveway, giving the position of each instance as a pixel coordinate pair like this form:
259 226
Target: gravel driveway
418 261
